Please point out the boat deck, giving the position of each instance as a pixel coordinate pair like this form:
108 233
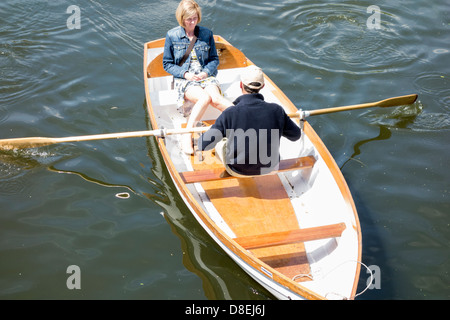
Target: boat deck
255 206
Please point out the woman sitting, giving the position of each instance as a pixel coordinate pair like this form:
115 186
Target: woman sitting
194 79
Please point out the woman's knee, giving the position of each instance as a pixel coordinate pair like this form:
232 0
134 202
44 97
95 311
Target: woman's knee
198 96
205 98
217 100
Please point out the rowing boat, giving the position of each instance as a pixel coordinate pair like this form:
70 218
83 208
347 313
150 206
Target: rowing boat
295 231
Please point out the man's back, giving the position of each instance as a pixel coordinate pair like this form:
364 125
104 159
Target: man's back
253 128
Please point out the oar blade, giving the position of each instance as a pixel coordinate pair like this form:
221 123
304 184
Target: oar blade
23 143
35 142
398 101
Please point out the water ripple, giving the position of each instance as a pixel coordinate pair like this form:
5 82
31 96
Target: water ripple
15 166
435 84
410 117
3 114
335 38
432 122
57 202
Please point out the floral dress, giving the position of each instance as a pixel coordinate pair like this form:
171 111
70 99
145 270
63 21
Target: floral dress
182 85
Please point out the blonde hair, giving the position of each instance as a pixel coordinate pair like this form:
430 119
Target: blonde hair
186 9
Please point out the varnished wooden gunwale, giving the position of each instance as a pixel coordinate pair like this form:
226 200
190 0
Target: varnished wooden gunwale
211 227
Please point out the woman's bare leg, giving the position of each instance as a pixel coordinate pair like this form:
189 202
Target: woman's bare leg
217 99
201 99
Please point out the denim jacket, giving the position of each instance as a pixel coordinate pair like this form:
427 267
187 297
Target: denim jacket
176 45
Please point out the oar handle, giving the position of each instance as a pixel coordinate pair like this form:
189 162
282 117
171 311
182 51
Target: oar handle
133 134
34 142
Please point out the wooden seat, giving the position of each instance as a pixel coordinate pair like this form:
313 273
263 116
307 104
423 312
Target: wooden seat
291 236
156 69
221 173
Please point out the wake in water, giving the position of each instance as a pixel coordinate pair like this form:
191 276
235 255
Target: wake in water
410 117
432 86
15 165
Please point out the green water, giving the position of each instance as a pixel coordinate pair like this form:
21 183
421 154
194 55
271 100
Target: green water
109 206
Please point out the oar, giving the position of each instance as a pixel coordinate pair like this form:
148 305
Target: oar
33 142
391 102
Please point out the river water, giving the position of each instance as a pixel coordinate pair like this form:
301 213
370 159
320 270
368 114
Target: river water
109 207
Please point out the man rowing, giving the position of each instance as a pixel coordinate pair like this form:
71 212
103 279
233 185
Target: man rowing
247 135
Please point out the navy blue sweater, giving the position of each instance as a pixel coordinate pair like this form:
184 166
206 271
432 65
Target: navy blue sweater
253 128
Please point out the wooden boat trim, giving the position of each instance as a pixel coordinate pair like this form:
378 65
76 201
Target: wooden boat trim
291 236
214 230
